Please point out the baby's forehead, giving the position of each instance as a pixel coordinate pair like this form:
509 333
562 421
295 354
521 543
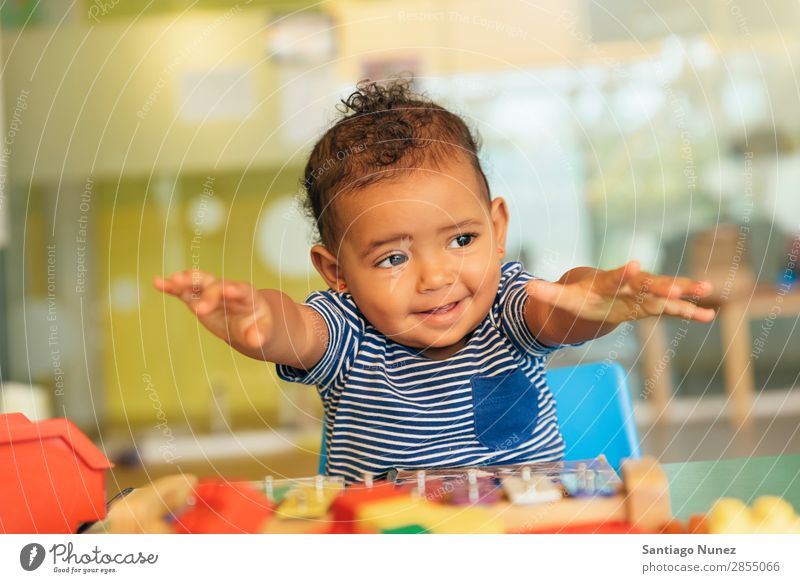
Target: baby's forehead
413 203
457 184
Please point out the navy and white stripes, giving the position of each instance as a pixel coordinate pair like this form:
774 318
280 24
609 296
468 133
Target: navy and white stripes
386 406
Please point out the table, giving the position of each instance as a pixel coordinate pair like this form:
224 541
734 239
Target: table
694 486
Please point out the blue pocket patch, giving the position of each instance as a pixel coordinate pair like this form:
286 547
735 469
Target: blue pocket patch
505 408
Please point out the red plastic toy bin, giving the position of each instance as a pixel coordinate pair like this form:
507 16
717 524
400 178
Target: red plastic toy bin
52 477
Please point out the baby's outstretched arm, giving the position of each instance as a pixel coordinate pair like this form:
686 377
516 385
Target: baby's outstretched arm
586 302
263 324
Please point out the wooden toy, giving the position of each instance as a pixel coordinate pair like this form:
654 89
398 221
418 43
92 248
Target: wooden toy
527 498
52 477
149 509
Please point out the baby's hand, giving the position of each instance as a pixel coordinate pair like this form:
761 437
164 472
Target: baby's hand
623 294
233 310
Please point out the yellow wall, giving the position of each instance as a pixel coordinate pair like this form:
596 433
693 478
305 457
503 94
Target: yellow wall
88 88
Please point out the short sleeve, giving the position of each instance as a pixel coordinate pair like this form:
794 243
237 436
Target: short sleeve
344 333
512 297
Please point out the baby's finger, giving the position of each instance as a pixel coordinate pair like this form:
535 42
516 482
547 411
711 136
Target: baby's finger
164 285
697 288
237 290
241 298
679 308
209 300
194 278
659 285
610 283
183 283
669 286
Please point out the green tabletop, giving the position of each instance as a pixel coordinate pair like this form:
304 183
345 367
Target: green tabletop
694 486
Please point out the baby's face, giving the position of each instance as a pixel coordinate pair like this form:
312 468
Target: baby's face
421 255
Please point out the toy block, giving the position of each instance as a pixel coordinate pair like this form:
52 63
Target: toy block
310 501
646 493
149 509
346 505
769 514
773 514
463 520
391 513
436 518
221 507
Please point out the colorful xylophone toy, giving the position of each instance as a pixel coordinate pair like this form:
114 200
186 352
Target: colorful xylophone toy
580 496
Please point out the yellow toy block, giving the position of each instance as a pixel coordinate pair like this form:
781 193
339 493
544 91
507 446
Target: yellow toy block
463 520
309 500
775 515
435 518
768 515
391 513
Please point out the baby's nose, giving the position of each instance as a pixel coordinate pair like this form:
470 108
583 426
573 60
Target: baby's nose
434 275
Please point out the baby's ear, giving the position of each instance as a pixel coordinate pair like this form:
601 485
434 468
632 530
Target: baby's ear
499 215
326 265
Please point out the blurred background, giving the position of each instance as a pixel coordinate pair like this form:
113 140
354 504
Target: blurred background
143 137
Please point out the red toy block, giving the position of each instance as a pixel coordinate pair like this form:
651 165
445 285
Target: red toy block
51 476
346 505
222 507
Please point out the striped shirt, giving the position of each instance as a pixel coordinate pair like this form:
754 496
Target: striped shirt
387 406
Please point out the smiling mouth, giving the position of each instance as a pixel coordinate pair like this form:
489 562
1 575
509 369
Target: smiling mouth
441 309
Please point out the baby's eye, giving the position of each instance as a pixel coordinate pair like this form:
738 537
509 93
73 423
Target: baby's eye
393 261
462 240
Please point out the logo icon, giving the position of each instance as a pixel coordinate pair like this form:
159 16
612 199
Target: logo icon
31 556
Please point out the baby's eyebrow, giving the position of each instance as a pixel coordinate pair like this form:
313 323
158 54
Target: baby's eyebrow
399 236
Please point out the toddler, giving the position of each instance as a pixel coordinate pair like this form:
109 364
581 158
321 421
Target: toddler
427 349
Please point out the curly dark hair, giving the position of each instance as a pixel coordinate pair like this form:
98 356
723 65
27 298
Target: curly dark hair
384 128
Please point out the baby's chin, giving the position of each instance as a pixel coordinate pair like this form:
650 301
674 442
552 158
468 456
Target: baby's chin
438 340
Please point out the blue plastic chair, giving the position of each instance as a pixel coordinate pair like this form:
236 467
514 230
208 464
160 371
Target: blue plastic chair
594 410
595 413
